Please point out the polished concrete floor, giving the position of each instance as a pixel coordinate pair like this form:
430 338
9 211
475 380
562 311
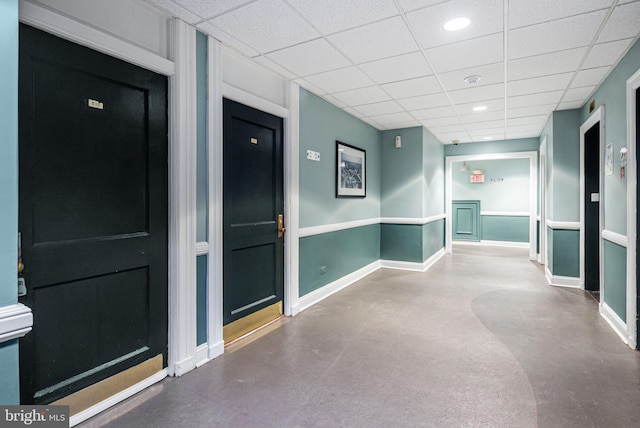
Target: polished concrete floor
480 340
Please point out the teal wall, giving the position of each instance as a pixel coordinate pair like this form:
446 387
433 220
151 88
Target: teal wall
511 194
402 185
505 228
401 242
340 253
201 299
9 382
201 110
566 166
612 95
433 175
321 124
615 278
432 238
503 146
564 252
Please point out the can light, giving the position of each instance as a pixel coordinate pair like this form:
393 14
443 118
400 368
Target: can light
479 108
457 24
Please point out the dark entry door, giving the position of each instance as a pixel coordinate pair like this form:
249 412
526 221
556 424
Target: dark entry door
466 220
253 202
93 215
592 208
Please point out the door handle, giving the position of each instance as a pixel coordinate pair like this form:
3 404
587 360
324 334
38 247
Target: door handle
20 264
281 228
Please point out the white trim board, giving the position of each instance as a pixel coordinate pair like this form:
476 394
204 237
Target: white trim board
614 237
633 83
412 220
562 225
15 321
412 266
615 322
562 281
533 192
322 293
488 243
335 227
505 213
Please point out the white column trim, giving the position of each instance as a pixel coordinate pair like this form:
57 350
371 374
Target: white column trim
77 32
249 99
563 225
614 237
633 83
15 321
292 201
562 281
182 201
215 177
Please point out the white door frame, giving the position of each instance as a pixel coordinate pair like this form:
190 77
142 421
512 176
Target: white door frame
633 83
543 256
533 194
596 116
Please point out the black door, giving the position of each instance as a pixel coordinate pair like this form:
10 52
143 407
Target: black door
93 215
253 202
592 208
637 137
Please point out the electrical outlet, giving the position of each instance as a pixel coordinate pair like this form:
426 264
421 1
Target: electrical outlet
323 270
314 156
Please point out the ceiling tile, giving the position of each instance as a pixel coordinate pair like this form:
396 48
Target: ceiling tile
442 121
530 111
355 97
227 39
409 5
266 25
333 100
340 80
567 33
486 18
210 9
176 10
606 53
310 86
485 125
554 82
462 137
482 116
331 16
497 132
375 41
310 58
538 120
571 105
372 123
434 113
547 64
353 112
466 54
590 77
448 129
534 99
517 135
397 68
478 93
393 118
275 67
527 12
535 130
578 94
490 74
623 23
385 107
425 101
413 87
492 105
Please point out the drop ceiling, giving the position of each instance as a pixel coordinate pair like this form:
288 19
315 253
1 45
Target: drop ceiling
392 64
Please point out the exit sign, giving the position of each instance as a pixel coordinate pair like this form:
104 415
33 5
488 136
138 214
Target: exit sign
477 178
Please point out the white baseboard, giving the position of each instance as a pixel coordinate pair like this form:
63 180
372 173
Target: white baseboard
509 244
216 349
614 321
322 293
184 366
562 281
418 267
117 398
202 355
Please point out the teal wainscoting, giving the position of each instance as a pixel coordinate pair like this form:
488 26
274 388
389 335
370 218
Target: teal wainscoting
564 252
505 228
615 278
432 238
401 242
10 378
329 256
201 299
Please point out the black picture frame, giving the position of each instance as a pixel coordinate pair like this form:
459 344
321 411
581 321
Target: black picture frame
351 171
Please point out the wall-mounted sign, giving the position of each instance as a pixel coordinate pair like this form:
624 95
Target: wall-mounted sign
476 178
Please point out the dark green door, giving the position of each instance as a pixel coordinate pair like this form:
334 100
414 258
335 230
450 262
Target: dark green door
253 201
93 215
466 220
592 208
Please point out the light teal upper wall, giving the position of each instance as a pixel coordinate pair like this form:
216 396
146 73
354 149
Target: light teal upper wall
565 180
612 95
503 146
547 132
433 175
321 124
9 382
510 194
201 98
402 184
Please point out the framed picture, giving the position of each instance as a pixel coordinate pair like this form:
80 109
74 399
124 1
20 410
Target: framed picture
351 171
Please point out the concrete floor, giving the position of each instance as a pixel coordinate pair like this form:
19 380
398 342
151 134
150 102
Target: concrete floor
480 340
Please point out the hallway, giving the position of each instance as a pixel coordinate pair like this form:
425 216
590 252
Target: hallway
478 340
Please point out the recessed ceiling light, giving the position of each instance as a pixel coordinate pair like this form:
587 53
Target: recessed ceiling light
487 138
456 24
479 108
473 79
